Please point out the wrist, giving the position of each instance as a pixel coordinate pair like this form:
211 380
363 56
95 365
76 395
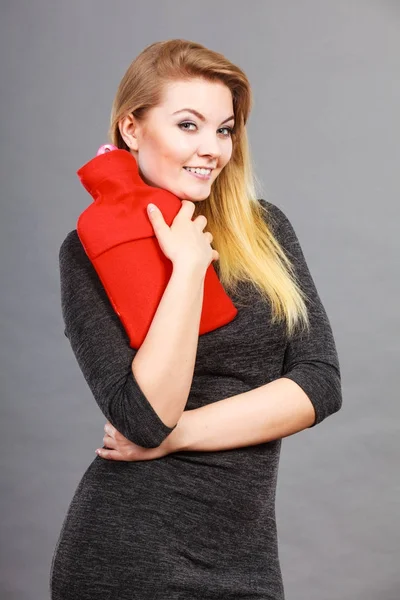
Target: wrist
178 439
185 270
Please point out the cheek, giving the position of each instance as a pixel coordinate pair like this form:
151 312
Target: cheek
228 152
172 153
180 148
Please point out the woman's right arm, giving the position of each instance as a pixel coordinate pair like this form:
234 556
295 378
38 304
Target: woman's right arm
141 392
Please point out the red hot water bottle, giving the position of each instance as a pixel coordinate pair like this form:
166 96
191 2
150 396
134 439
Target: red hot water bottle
119 240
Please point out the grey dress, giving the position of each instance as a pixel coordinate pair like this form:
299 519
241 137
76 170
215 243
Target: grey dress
191 525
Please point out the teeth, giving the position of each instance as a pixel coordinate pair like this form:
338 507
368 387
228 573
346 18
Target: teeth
199 171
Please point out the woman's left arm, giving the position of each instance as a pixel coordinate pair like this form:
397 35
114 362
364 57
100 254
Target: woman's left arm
308 391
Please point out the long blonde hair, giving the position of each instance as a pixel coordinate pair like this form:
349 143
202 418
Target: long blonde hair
235 217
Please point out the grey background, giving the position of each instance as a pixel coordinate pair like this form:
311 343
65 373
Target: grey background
325 139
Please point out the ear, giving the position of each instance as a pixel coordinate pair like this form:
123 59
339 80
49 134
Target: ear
129 130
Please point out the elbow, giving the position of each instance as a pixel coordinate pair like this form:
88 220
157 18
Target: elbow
337 394
130 412
328 397
321 381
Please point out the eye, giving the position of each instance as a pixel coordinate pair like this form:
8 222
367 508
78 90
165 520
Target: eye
186 123
229 129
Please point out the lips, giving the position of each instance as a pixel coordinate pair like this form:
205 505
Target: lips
208 168
201 176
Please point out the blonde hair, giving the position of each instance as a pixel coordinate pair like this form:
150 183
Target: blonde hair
241 234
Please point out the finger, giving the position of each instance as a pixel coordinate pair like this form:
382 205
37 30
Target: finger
108 454
157 220
201 221
108 428
108 441
188 207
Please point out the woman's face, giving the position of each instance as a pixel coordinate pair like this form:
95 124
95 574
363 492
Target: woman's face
172 137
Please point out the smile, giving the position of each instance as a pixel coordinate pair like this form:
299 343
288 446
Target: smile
199 173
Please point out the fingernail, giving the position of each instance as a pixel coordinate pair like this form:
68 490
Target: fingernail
98 451
150 207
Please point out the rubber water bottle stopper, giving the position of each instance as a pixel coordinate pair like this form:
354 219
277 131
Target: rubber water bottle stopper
106 148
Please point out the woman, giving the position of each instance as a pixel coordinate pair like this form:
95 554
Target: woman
180 502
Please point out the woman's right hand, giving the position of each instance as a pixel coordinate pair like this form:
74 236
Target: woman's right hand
185 242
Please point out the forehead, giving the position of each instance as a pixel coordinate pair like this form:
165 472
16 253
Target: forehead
211 98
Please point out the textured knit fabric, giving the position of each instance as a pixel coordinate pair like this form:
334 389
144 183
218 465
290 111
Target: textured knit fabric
191 525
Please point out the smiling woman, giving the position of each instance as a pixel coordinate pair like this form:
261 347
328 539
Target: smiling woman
185 506
164 146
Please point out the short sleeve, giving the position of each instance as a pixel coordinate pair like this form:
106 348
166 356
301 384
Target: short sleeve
311 358
101 347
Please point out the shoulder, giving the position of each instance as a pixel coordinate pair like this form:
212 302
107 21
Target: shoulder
282 229
73 260
70 242
71 249
274 215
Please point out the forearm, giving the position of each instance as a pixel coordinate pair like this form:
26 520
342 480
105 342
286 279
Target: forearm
164 364
269 412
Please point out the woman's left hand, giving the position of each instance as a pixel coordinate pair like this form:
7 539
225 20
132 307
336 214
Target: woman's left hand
119 447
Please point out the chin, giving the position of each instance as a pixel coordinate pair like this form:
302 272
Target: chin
198 198
194 200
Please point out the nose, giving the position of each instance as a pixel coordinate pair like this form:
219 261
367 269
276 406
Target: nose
210 146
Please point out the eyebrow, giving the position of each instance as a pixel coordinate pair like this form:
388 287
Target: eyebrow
199 115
